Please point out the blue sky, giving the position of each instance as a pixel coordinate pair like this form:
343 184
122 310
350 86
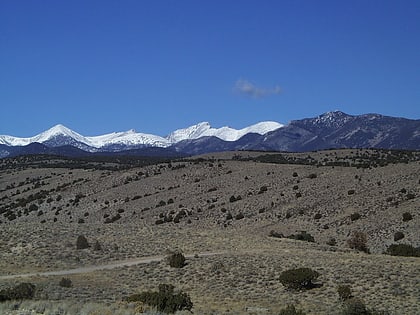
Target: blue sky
156 66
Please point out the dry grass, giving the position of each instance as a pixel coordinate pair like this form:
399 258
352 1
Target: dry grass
244 280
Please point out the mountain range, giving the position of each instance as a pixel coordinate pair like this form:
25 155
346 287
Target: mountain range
329 130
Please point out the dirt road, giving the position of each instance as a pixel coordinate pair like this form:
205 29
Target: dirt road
115 264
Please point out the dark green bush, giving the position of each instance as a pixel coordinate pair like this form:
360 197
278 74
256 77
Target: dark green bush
398 236
233 198
355 216
407 216
263 189
302 236
317 216
165 300
358 241
176 260
33 207
65 283
355 306
20 292
82 242
344 292
410 196
97 246
299 278
291 310
403 250
275 234
332 242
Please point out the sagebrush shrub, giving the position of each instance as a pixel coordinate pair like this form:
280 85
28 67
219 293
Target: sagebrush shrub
82 242
20 292
165 300
302 236
65 283
299 278
398 236
355 216
355 306
176 260
403 250
407 216
358 241
291 310
344 292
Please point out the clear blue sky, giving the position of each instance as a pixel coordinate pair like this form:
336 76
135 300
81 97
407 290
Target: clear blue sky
155 66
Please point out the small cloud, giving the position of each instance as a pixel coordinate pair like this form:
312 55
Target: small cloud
248 88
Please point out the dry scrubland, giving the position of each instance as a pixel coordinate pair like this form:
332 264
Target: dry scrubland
227 204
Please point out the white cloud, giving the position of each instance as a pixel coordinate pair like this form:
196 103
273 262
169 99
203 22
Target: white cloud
248 88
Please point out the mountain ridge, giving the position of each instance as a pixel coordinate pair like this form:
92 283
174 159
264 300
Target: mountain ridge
330 130
60 135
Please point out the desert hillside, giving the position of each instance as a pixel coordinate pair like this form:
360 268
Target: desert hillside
241 218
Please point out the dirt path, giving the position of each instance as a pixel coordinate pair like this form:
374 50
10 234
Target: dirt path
115 264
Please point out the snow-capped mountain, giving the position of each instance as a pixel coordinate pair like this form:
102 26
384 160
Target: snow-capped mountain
224 133
60 135
330 130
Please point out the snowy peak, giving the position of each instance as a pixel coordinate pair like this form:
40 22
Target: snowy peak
225 133
56 131
60 135
193 132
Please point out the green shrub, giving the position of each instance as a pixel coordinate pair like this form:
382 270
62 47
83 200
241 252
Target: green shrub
33 207
344 292
65 283
275 234
20 292
302 236
332 242
82 242
358 241
97 246
355 216
398 236
410 196
355 306
291 310
403 250
263 189
317 216
407 216
176 260
165 300
233 198
299 278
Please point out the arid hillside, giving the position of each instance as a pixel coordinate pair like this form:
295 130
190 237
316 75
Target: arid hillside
254 214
